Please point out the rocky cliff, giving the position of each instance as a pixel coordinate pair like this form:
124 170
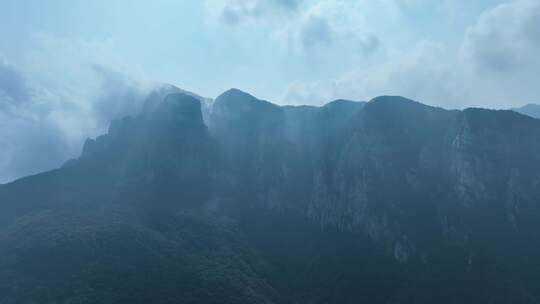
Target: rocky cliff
244 201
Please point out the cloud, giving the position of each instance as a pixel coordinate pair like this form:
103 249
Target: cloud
299 25
495 65
316 30
501 51
119 95
238 12
506 38
416 72
307 32
336 23
12 85
64 91
29 146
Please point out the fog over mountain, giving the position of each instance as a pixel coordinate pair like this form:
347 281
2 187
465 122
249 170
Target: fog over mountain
375 151
244 201
44 120
64 76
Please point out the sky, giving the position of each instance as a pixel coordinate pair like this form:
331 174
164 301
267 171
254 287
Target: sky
68 67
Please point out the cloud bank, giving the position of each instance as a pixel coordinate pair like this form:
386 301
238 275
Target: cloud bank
297 25
63 92
496 64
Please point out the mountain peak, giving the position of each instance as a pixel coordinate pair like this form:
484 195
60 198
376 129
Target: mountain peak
393 99
178 108
158 94
339 102
235 100
394 104
235 93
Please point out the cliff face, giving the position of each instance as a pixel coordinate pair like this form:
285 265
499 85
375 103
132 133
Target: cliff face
394 169
389 201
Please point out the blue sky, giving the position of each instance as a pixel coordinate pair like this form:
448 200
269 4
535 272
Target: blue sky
68 67
191 43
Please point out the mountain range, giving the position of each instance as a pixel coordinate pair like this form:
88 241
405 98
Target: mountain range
239 200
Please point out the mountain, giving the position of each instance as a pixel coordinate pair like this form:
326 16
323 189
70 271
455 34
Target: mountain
532 110
386 201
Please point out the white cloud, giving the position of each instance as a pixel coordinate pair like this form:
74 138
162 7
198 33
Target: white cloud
496 65
64 91
12 85
242 12
506 38
328 24
417 73
300 25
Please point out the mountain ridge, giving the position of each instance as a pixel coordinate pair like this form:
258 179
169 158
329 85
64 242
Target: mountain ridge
389 201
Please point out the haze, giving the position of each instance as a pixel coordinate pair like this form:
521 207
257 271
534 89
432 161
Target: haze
68 67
